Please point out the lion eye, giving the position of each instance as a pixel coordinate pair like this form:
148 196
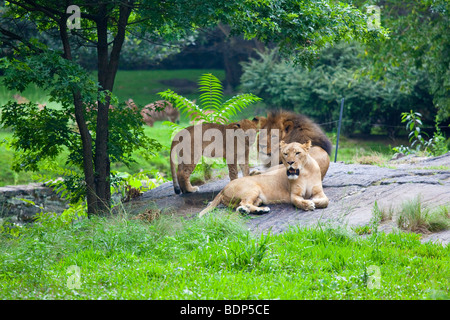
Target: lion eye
285 154
297 153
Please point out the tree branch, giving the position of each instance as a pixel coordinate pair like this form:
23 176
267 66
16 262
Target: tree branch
49 12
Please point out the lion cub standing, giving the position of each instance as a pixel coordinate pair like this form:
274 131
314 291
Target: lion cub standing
299 180
229 141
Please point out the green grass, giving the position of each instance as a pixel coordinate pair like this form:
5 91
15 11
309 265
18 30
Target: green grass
143 86
216 258
376 150
414 216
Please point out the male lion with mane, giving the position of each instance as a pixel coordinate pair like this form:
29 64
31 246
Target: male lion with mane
293 127
298 180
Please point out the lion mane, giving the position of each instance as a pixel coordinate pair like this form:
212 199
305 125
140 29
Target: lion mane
295 128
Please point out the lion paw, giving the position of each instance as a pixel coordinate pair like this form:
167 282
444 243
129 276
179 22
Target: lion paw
193 189
243 209
308 205
263 210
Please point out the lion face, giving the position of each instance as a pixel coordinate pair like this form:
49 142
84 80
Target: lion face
246 124
276 128
294 156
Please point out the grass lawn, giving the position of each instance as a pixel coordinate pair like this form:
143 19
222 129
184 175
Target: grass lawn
215 258
141 86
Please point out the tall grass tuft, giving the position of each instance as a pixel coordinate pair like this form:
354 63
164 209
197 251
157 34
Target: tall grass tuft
413 216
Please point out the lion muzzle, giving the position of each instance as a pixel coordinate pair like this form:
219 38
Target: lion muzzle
292 173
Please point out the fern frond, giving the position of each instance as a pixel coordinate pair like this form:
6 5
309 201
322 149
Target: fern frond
212 92
175 128
235 105
183 104
211 100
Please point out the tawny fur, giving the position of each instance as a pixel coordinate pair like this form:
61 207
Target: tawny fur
296 128
181 173
276 186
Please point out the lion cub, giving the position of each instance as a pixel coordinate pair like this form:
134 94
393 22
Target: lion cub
299 180
229 141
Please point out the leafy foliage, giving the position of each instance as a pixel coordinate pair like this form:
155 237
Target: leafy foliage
436 145
123 182
318 91
302 28
418 40
41 135
211 100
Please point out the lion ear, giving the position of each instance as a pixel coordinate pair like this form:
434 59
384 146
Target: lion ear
235 125
288 126
259 121
307 145
282 144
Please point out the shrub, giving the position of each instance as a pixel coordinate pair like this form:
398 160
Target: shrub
436 145
337 74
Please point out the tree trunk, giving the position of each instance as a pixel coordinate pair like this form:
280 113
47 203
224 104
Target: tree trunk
86 138
107 70
88 167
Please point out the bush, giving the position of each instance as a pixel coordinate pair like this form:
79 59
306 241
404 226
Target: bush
317 92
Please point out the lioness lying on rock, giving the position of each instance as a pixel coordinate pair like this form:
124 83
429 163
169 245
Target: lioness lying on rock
298 180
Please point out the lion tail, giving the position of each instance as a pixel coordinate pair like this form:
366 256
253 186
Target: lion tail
217 200
173 169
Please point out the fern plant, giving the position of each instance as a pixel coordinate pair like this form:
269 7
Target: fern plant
211 99
212 108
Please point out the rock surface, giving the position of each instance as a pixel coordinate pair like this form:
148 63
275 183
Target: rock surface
351 188
21 202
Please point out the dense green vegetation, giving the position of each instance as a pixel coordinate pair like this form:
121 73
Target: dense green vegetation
418 49
215 258
369 105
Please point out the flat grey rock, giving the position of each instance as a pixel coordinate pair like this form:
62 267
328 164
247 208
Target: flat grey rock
352 189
